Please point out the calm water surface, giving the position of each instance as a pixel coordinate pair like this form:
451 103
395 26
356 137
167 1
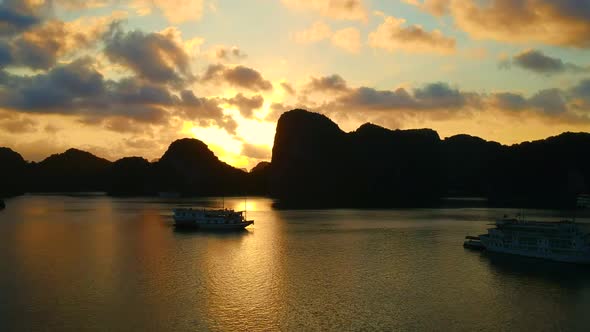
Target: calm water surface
107 264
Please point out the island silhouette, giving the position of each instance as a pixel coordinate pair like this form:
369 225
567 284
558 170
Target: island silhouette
316 164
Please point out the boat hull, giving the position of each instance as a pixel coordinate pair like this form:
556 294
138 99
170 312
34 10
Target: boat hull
212 226
583 258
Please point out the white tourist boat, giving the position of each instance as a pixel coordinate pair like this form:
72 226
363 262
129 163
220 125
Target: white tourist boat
564 241
220 219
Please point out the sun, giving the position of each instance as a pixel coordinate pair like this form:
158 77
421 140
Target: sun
229 147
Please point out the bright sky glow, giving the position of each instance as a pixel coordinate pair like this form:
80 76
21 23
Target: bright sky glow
122 78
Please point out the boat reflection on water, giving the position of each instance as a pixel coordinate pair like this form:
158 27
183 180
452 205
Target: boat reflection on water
564 274
191 231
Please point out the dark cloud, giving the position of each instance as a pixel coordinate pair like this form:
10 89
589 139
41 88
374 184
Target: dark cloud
37 49
431 97
56 91
246 105
581 91
155 57
239 76
369 98
442 101
205 111
78 89
537 61
332 83
6 57
18 15
256 151
548 102
509 101
130 91
441 95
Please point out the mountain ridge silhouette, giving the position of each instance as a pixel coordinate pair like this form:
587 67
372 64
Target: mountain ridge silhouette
316 164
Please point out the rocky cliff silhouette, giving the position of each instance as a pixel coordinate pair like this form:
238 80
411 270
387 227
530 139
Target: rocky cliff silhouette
190 168
12 173
316 164
71 171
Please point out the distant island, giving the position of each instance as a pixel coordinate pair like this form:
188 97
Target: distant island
316 164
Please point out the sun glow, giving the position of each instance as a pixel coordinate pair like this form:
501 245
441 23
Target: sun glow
229 147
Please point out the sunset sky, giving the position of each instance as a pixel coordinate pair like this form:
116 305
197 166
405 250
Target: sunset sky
125 78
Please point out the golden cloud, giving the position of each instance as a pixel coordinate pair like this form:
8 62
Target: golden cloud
348 39
552 22
392 35
176 11
338 9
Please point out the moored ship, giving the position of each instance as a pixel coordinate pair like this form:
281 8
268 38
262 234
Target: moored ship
564 241
221 219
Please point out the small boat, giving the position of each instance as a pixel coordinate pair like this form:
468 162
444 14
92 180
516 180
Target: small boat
473 242
210 219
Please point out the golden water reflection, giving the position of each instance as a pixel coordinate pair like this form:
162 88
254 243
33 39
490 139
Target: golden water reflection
98 263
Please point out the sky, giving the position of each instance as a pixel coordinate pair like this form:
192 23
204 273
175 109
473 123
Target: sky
127 77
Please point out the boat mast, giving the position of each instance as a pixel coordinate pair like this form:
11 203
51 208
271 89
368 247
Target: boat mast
246 208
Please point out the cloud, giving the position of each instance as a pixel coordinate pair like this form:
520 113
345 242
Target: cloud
337 9
83 4
41 46
55 91
288 88
436 7
332 83
538 62
205 111
19 15
433 96
548 101
392 35
222 52
127 105
581 92
156 57
441 100
276 109
238 76
176 11
508 101
348 39
14 124
246 105
256 151
317 32
552 22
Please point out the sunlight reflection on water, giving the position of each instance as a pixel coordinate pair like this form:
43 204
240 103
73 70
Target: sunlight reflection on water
101 263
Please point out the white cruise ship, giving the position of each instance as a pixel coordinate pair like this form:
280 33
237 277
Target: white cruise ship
564 241
222 219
